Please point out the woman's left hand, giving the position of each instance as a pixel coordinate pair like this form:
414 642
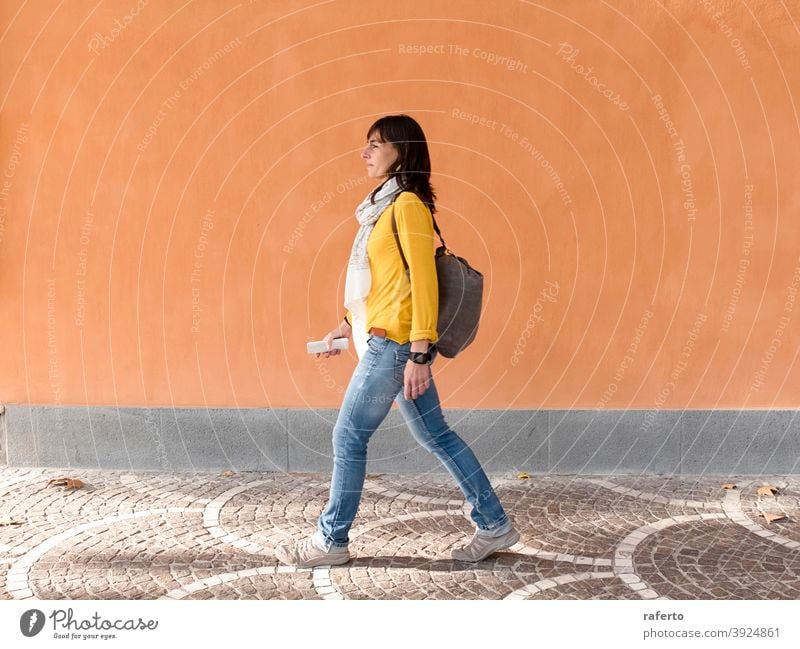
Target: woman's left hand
416 379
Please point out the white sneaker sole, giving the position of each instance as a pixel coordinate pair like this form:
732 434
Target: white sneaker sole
334 559
500 543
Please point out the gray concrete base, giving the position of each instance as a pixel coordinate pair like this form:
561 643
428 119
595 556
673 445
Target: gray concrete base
697 442
3 437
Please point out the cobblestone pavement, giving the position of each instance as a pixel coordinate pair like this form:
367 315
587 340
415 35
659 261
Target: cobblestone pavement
128 535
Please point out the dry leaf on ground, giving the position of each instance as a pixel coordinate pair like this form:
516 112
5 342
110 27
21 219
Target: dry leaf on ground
8 521
729 485
773 517
228 473
69 483
767 490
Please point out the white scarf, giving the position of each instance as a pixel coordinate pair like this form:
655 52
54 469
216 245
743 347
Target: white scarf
359 279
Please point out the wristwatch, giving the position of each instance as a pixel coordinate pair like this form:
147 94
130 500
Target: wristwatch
421 358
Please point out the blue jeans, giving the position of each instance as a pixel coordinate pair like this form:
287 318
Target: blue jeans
376 382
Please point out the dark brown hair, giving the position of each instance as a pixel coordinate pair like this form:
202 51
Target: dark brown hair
413 166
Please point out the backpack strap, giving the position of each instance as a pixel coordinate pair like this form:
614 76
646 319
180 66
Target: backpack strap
397 240
397 237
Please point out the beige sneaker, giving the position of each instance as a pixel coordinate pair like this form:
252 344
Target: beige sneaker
305 554
481 547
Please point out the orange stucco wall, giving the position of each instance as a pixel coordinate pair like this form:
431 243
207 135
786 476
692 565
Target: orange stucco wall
179 180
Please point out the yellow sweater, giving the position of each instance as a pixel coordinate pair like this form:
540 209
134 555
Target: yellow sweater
408 310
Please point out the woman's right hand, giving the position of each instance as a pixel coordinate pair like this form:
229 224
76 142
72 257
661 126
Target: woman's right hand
344 330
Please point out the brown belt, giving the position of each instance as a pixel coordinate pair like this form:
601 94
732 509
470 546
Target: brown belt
375 331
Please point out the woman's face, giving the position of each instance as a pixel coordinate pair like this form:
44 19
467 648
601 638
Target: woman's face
379 156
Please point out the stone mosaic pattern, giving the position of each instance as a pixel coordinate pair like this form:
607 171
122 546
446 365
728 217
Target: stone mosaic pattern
138 535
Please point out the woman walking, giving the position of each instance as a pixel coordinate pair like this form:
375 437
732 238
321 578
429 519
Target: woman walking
392 318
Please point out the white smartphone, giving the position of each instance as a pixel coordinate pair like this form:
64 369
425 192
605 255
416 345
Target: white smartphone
318 346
